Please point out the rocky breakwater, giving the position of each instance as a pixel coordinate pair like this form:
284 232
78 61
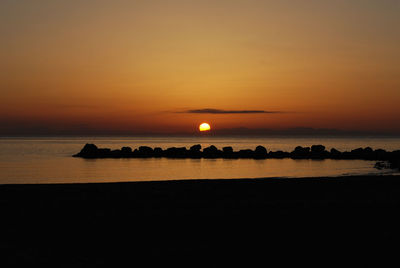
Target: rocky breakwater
385 158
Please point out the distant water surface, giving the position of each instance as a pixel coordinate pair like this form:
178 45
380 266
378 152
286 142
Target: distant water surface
48 160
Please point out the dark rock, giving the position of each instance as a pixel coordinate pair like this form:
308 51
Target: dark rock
319 152
212 152
126 150
175 152
301 152
88 151
380 154
246 153
278 154
382 165
260 152
316 152
195 148
368 150
317 149
116 154
335 154
227 150
103 152
363 153
335 151
346 155
145 150
357 153
158 152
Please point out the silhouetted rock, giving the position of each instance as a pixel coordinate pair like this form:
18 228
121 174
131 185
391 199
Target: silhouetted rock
195 148
195 152
114 154
380 154
89 150
103 153
175 152
211 152
227 149
363 153
335 154
368 150
357 153
278 154
316 152
382 165
260 152
210 149
246 153
158 152
145 150
126 150
301 152
317 149
319 152
228 152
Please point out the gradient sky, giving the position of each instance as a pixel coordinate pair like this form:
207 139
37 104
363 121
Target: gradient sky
165 66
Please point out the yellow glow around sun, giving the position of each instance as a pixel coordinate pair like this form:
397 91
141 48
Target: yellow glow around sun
204 127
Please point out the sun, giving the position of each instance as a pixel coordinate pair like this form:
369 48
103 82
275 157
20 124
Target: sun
204 127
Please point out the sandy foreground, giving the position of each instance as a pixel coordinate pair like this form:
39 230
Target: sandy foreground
313 221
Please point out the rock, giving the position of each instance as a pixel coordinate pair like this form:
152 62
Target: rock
195 148
211 149
175 152
382 165
317 149
362 153
211 152
368 150
227 150
380 154
260 152
246 153
335 154
318 152
126 150
278 154
88 151
145 150
158 152
115 154
301 152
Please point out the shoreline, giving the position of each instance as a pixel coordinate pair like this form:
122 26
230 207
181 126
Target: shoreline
187 220
227 180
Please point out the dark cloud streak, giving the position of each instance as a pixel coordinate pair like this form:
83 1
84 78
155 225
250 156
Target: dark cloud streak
219 111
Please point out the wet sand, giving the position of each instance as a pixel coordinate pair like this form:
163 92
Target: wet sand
313 221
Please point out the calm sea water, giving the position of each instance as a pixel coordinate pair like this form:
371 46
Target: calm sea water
48 160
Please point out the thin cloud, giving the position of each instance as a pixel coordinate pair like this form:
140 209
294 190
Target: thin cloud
220 111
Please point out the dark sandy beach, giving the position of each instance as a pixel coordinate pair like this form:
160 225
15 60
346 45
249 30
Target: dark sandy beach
316 221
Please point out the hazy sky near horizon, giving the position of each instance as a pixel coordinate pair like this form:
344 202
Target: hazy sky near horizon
166 66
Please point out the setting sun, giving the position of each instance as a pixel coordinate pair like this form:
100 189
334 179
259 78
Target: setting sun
204 127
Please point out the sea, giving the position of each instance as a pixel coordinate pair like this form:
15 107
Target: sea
38 160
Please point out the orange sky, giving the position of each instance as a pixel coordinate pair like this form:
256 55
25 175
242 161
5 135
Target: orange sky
140 66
